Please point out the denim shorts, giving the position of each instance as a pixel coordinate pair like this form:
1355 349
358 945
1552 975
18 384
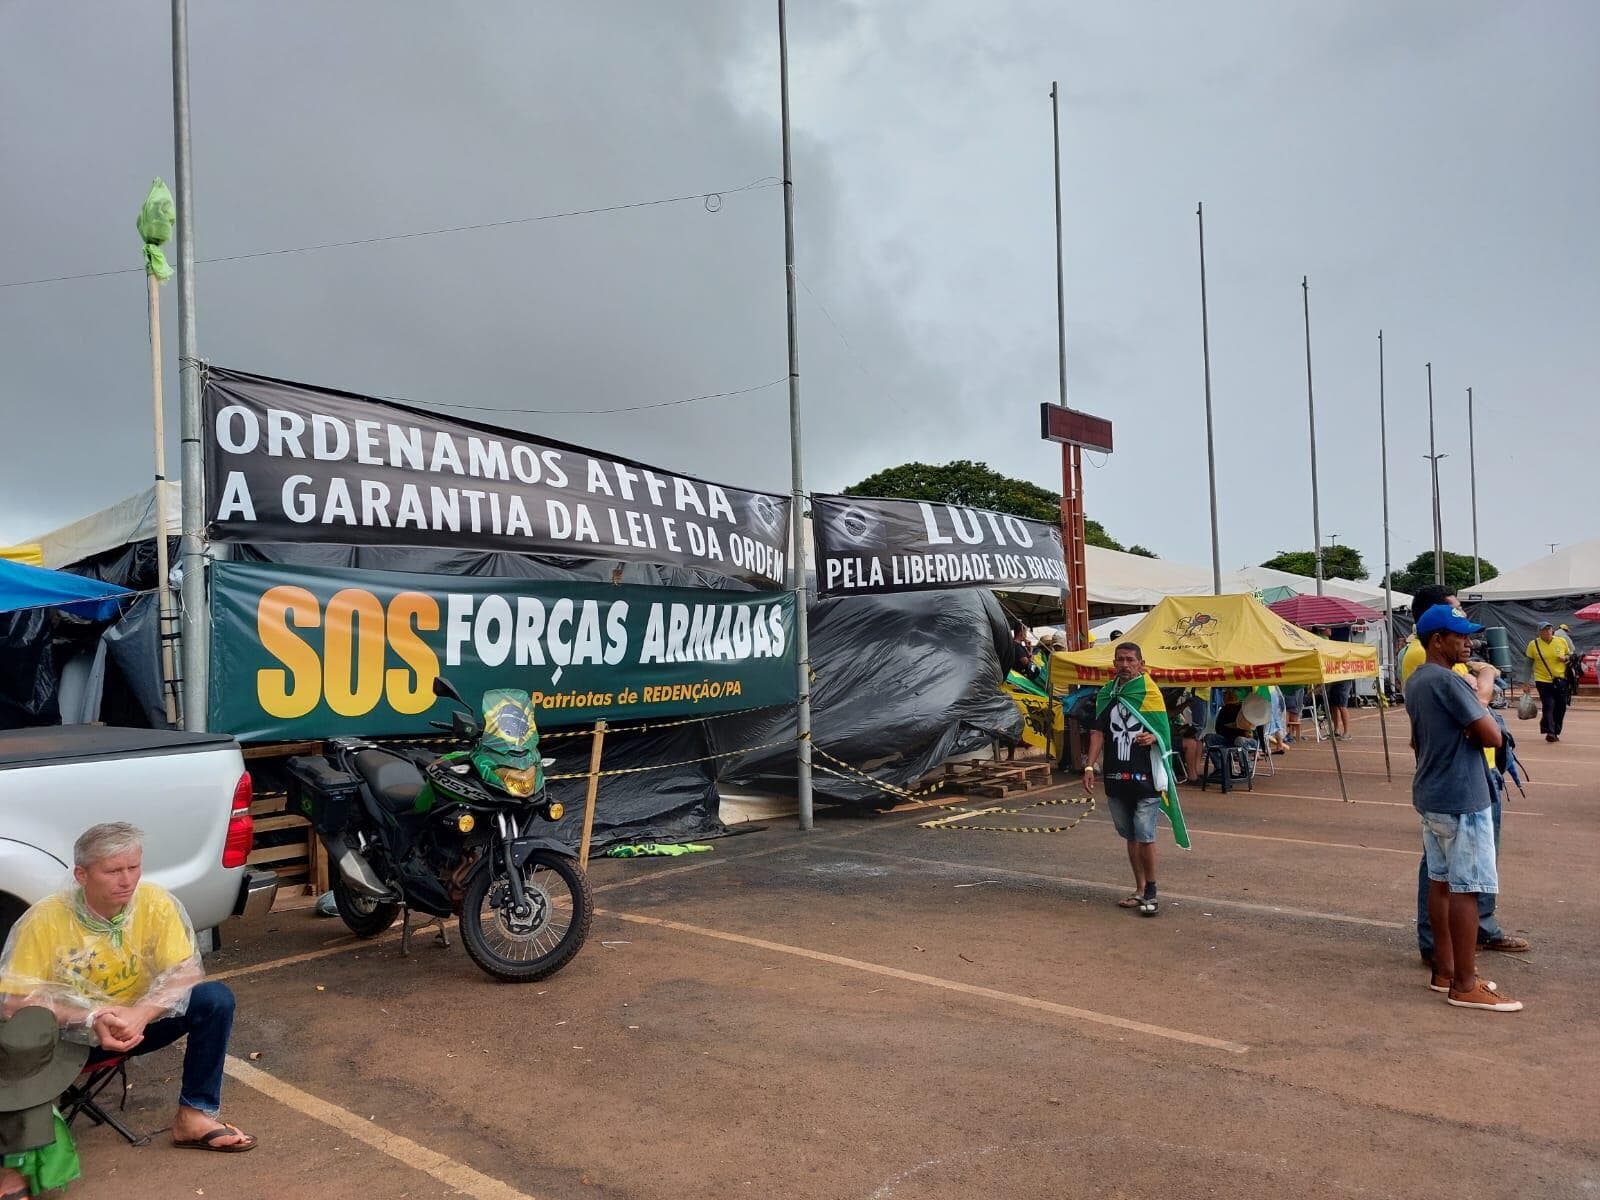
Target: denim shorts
1460 850
1135 819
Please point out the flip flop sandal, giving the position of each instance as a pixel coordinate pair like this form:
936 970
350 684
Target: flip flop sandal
20 1194
1132 901
1149 906
208 1141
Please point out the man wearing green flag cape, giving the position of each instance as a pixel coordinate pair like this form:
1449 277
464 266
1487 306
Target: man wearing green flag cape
1130 726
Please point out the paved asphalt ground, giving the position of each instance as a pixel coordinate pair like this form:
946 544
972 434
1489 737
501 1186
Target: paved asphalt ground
879 1010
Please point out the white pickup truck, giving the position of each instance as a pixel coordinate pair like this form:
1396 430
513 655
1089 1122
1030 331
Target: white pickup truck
189 792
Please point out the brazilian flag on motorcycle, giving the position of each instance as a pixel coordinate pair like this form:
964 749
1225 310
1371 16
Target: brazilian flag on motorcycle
509 725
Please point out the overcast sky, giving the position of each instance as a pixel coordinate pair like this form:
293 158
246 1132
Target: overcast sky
1434 167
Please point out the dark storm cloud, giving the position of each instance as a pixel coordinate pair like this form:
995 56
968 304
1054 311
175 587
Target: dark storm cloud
1431 167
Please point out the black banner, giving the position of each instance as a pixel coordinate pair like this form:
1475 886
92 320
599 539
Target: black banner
290 463
866 546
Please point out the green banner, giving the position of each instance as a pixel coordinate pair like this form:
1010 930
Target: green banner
315 652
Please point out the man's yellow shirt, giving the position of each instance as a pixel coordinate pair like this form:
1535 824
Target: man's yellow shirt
1550 659
51 945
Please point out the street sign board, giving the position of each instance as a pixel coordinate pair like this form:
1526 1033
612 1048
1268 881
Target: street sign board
1058 423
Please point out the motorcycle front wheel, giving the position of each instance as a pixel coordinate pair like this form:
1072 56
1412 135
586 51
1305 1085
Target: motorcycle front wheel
364 916
524 948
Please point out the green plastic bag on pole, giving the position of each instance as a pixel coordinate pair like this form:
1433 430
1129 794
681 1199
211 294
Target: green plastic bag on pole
157 217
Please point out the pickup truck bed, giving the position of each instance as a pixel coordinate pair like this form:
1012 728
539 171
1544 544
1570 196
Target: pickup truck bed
189 792
77 743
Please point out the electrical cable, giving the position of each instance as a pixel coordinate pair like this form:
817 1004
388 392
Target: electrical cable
574 412
712 202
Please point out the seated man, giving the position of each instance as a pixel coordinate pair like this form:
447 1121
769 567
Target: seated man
1187 715
116 960
1232 728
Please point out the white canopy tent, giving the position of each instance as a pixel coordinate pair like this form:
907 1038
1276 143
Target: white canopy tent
1571 571
130 520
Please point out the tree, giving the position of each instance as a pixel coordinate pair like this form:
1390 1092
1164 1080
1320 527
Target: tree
1338 562
1142 551
1457 572
975 485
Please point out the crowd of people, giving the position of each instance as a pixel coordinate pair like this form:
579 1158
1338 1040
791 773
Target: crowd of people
1464 755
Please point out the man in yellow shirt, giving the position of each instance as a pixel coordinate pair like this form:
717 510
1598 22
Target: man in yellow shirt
1547 656
115 959
1490 934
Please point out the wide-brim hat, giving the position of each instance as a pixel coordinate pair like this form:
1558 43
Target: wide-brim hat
35 1064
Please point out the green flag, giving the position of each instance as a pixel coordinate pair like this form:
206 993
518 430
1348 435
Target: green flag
157 216
1141 700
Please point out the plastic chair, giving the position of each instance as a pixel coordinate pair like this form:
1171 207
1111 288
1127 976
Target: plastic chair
83 1096
1257 751
1226 765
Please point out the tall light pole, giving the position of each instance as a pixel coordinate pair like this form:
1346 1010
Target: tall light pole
797 563
1472 469
1311 415
1211 452
1388 568
1433 462
196 619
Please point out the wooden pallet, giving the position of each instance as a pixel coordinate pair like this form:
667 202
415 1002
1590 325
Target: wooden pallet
297 860
996 780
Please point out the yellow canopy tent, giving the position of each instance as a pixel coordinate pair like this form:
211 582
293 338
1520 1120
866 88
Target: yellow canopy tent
29 552
1224 641
1220 641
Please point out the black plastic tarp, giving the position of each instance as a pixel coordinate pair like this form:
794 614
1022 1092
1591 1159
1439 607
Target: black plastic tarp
28 684
1522 619
900 683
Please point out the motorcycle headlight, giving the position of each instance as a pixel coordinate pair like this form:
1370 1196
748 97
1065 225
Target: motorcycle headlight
518 782
555 810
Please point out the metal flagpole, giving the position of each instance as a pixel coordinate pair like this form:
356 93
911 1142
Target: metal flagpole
1472 468
1076 602
196 619
1387 648
163 592
1211 453
797 564
1311 413
1433 463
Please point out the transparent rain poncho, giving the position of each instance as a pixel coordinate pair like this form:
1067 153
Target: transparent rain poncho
65 957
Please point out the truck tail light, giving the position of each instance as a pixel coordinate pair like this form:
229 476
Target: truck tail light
241 827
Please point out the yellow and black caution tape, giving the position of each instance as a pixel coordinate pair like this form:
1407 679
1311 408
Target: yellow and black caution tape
846 771
683 762
958 815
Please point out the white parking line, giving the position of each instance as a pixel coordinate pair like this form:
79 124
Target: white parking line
402 1149
950 985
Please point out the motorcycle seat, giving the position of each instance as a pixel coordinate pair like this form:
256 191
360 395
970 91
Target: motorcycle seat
394 781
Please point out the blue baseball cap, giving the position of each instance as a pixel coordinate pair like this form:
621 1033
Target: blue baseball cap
1443 616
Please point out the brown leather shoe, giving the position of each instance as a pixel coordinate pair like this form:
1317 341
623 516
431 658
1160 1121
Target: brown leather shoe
1506 944
1486 996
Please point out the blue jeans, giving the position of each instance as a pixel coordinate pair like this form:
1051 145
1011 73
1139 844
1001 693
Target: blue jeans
209 1022
1488 927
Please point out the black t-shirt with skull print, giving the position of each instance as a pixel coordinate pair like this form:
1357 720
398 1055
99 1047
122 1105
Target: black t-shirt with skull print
1125 768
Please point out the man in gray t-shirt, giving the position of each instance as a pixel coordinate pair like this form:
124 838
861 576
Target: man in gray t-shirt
1449 729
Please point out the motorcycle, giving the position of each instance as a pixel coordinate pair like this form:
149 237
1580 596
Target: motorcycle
453 833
